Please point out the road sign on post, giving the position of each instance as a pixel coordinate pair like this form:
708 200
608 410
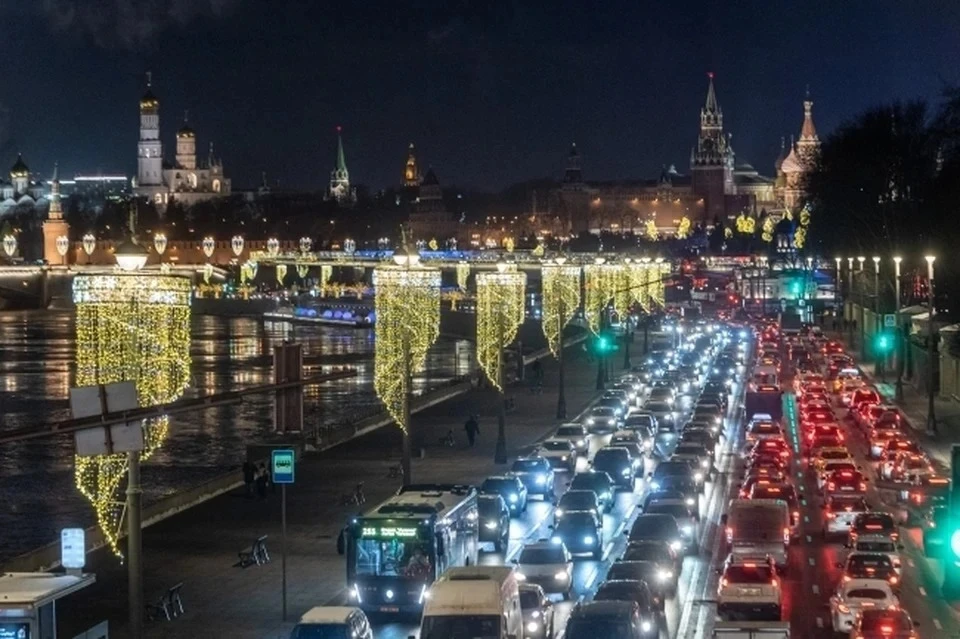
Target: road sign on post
282 466
890 320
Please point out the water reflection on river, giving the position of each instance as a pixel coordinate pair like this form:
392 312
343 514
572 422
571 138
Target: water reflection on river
37 495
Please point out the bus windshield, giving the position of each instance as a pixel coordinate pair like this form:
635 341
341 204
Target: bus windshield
394 557
461 627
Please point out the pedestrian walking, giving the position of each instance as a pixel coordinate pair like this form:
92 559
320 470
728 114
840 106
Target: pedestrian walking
262 478
249 474
473 429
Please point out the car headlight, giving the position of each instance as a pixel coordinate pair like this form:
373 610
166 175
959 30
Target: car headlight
581 442
670 401
388 594
513 498
590 420
560 576
558 512
654 485
588 539
664 575
687 530
535 614
698 476
491 525
555 539
689 501
645 626
704 463
563 458
676 546
626 472
605 495
533 626
521 576
611 421
540 480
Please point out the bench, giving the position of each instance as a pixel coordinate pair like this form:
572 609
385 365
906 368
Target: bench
256 553
168 605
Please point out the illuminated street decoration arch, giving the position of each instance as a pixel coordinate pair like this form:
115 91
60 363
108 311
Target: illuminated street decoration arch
500 312
561 299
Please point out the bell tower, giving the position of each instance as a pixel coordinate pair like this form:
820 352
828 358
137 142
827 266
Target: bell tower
150 149
711 160
56 231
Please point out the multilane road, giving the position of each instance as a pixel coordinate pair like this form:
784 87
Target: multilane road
687 614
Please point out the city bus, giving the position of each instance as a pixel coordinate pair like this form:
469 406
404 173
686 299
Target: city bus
398 549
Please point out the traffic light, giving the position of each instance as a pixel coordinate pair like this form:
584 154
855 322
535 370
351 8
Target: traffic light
883 343
602 344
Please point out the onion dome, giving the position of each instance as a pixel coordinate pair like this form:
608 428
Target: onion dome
19 169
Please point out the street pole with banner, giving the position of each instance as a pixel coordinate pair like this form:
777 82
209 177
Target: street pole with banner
282 465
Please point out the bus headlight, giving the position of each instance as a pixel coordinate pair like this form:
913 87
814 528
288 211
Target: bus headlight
588 539
513 498
664 575
704 463
355 594
533 626
698 476
388 594
689 501
645 626
491 525
676 546
560 576
540 479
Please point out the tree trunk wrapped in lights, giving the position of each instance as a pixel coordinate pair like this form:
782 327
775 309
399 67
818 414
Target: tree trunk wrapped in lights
407 304
600 281
500 311
326 272
639 288
463 272
656 277
561 299
622 295
135 328
302 271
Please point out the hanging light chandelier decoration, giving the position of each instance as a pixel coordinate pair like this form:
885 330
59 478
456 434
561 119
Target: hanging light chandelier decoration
500 312
561 299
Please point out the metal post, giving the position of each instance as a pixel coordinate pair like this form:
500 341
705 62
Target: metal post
601 364
283 546
134 545
627 338
899 334
646 334
877 320
931 416
406 455
561 392
500 453
847 298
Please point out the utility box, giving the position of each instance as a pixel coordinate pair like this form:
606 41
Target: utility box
288 402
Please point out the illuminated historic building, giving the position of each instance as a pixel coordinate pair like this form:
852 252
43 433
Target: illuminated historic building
793 169
340 189
429 219
187 181
411 172
21 193
715 189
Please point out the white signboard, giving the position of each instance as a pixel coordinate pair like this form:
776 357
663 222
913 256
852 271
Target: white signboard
73 551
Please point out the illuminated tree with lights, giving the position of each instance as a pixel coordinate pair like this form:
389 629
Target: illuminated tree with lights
561 299
651 231
600 281
683 228
463 272
326 272
407 306
500 311
129 327
768 228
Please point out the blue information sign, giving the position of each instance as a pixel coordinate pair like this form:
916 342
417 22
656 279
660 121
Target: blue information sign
282 463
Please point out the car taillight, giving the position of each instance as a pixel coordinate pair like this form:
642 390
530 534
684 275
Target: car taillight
830 486
729 535
863 486
886 630
844 609
724 582
775 583
893 580
830 515
847 577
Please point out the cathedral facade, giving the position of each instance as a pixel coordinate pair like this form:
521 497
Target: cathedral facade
339 188
715 189
21 193
186 180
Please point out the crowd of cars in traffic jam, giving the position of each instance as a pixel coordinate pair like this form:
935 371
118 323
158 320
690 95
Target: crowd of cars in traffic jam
774 414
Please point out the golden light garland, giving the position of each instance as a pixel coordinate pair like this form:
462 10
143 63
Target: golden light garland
407 304
600 284
281 273
500 312
683 228
463 272
302 271
651 230
622 293
326 272
768 226
560 301
129 328
639 289
656 276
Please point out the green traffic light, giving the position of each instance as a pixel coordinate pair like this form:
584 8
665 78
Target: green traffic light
955 543
883 343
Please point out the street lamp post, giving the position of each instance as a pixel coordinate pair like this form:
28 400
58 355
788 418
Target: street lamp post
901 342
500 454
836 286
863 333
849 296
931 416
878 355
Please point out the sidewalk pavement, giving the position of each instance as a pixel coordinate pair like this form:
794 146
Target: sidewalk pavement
914 407
199 546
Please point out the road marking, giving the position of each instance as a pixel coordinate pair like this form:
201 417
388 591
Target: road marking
819 622
809 539
936 622
910 563
816 589
806 520
923 591
813 562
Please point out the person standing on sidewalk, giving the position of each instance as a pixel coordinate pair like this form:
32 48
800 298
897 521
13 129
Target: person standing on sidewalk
472 428
262 479
249 474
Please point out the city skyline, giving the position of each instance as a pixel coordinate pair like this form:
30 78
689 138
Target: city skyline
475 90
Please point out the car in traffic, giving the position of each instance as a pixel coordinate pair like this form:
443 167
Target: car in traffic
657 527
840 511
537 611
494 517
509 487
637 592
669 561
619 619
888 623
644 424
332 621
873 566
576 501
856 595
749 589
679 468
600 483
845 482
581 532
547 564
699 457
537 476
561 453
602 420
576 434
617 462
683 514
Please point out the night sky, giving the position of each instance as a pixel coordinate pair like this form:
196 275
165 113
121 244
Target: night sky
491 92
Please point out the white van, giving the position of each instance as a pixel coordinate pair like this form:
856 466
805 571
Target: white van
473 601
759 527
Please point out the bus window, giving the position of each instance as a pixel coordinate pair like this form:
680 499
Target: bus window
393 558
